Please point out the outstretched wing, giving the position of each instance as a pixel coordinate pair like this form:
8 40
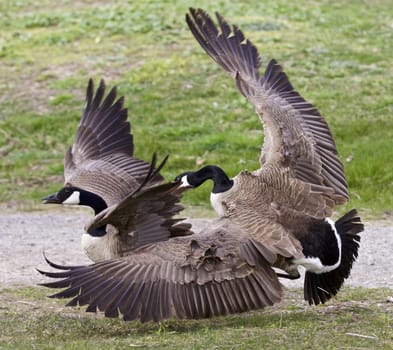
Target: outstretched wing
103 146
146 215
296 135
211 274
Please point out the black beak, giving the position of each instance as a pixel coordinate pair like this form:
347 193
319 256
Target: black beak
52 198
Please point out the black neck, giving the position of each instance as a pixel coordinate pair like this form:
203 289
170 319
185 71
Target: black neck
98 231
98 204
221 181
93 201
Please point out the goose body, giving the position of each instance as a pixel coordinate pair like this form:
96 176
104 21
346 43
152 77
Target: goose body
255 204
102 247
149 265
287 203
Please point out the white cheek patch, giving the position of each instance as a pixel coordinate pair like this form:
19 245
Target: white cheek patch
184 182
74 199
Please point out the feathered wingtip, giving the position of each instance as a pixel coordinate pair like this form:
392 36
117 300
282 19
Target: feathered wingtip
96 100
224 43
153 173
319 288
63 273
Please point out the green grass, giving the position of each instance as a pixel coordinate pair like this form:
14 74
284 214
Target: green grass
338 54
356 319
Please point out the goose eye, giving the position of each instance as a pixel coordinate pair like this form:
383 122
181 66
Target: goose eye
67 191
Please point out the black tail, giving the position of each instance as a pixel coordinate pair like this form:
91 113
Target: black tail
318 288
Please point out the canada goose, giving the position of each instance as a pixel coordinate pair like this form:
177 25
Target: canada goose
101 172
285 204
212 273
148 264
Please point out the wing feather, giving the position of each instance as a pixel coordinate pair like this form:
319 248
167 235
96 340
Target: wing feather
295 132
150 285
103 148
145 216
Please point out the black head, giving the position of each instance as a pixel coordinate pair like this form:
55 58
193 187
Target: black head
187 179
67 195
77 196
192 179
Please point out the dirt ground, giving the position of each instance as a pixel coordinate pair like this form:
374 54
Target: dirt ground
26 235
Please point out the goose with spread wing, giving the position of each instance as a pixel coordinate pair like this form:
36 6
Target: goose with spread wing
286 204
216 272
148 264
101 172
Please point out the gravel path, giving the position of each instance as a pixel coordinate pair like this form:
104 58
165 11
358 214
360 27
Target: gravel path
24 237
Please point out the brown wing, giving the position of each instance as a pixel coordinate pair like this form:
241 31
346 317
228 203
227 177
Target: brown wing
215 273
296 135
263 225
103 148
146 215
268 204
281 189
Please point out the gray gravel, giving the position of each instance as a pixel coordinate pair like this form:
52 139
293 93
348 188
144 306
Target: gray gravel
24 237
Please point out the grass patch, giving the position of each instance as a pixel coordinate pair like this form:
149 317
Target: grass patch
29 320
337 54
